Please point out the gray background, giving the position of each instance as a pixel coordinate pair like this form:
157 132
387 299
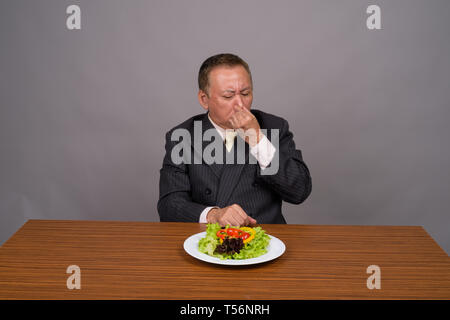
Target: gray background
83 113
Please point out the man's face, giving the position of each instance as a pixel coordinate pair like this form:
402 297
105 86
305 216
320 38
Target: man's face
229 90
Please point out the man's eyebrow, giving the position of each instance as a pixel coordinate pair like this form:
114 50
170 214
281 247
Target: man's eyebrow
232 91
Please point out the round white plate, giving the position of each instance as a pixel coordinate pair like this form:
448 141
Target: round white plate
275 249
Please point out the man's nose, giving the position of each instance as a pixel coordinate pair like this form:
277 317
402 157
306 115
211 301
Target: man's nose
238 102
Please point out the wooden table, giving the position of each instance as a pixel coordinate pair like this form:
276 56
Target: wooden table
146 260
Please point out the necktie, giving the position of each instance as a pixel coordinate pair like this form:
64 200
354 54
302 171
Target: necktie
229 139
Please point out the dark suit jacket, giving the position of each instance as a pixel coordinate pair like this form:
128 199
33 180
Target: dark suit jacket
185 190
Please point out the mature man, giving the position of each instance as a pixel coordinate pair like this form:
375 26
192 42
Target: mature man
231 192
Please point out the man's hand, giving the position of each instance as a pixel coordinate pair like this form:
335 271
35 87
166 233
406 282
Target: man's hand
233 215
247 125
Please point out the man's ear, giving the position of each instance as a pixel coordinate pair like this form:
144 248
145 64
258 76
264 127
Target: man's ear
203 99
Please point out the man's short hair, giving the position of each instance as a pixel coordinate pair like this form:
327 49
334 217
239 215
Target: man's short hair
222 59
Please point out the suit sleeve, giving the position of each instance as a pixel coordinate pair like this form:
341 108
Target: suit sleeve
292 181
175 203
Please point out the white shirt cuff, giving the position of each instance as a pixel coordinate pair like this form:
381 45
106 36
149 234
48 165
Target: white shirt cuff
204 214
263 152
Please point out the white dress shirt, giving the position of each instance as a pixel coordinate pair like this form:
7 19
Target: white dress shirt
263 152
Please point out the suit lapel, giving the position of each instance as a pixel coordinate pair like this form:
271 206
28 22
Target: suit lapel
206 124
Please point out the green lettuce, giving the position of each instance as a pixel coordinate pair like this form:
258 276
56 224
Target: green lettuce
252 249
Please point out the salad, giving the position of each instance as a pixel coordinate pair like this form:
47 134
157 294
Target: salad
234 242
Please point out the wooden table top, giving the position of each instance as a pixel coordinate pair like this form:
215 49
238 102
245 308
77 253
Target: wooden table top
146 260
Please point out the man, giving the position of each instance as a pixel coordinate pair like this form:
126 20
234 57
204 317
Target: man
232 193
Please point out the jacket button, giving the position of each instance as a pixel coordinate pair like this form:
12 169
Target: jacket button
208 191
255 184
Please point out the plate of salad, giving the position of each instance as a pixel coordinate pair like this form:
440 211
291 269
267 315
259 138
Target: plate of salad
234 245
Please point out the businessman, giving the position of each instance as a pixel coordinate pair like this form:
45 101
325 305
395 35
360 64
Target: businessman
229 190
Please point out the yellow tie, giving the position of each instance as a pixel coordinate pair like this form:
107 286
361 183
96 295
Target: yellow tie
229 139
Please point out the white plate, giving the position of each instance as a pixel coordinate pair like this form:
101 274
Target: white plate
275 249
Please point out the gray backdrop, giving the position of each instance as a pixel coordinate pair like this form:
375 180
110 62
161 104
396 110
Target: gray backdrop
84 112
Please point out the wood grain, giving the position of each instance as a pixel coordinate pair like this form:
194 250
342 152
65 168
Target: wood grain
146 260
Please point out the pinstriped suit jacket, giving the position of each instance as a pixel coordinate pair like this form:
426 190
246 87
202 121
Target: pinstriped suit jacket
185 190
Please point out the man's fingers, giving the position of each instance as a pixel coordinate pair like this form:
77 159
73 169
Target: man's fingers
231 121
230 217
239 210
234 215
247 112
238 117
238 215
227 220
235 122
246 219
252 221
